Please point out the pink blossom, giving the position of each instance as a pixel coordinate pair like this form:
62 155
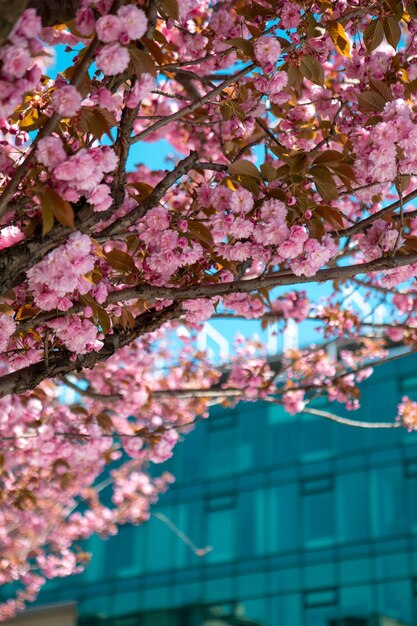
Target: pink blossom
293 401
101 198
134 21
241 201
16 60
28 26
141 89
84 20
109 28
198 311
267 52
7 328
50 151
112 59
66 101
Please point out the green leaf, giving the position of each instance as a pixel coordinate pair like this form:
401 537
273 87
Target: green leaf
392 31
121 261
382 88
103 319
141 62
52 202
96 121
171 8
331 215
242 167
329 157
371 101
243 45
47 220
339 37
312 69
373 34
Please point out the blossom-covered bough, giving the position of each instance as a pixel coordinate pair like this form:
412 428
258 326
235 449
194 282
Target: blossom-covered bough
294 126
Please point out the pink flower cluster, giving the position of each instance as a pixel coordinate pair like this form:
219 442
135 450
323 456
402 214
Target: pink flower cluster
407 413
7 328
60 274
79 174
167 251
248 305
198 311
140 90
78 335
293 305
66 101
116 32
267 52
293 401
18 74
267 235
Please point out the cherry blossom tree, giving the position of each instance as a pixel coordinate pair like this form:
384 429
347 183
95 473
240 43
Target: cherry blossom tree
294 129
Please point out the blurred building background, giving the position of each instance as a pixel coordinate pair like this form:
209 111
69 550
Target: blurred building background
312 523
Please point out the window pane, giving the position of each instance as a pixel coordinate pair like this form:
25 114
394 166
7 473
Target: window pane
251 520
221 453
282 519
319 525
317 438
352 507
221 535
387 501
159 542
283 436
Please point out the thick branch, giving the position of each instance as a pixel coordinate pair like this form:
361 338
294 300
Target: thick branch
54 11
9 14
263 282
60 364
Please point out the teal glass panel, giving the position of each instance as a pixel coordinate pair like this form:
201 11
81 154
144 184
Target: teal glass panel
285 580
254 611
249 585
387 501
219 589
356 601
411 495
392 566
320 616
395 601
286 610
127 550
320 575
251 431
221 535
221 452
160 540
156 598
283 436
319 513
251 520
318 438
352 507
354 571
282 518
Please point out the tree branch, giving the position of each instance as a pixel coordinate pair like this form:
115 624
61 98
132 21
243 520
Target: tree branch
60 364
191 107
263 282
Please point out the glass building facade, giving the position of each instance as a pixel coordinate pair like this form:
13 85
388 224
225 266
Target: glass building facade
312 523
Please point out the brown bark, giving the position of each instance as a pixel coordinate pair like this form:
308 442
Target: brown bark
10 10
54 11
